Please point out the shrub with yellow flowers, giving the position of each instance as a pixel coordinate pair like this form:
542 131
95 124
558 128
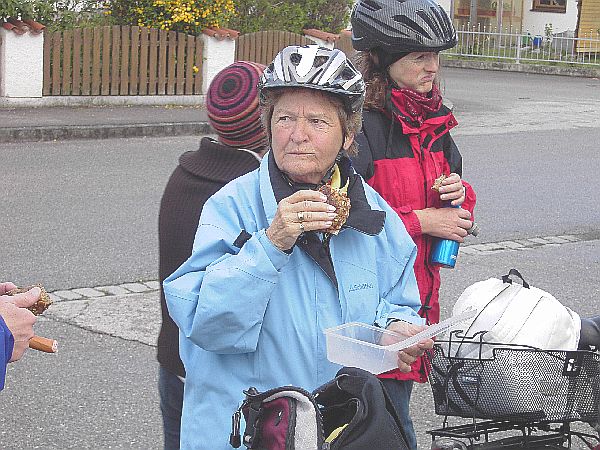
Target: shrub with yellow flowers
188 16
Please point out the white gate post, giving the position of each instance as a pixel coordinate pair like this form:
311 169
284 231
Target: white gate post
21 59
218 52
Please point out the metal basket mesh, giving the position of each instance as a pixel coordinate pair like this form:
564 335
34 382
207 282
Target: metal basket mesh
516 383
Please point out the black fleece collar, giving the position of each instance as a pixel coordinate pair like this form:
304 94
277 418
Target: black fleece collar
362 218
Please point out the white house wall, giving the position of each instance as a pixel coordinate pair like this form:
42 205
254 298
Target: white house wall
21 64
535 22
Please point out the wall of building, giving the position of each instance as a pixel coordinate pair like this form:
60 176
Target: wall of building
535 22
2 57
21 63
590 18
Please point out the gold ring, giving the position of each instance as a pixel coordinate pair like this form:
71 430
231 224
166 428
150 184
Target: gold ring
301 216
301 227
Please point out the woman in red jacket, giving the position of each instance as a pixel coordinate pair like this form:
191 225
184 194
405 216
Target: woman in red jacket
405 144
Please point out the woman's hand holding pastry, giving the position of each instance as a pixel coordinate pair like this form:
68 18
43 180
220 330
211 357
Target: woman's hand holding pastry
302 211
452 189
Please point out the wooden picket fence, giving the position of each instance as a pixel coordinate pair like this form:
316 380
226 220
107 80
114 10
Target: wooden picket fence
122 60
262 46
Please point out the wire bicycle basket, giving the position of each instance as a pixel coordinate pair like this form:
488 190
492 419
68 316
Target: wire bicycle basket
513 382
512 386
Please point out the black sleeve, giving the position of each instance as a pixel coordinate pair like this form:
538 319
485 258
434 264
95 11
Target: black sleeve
363 162
453 155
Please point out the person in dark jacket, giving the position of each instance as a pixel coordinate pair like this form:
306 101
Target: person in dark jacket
405 144
233 111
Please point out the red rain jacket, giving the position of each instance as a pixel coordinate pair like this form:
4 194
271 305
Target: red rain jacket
401 162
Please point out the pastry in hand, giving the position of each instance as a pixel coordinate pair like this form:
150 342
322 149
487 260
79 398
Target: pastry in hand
41 305
38 342
341 202
437 184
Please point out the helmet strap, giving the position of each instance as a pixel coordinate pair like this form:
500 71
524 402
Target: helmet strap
391 83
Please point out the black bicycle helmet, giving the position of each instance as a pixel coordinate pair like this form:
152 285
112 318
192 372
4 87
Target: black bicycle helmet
401 26
314 67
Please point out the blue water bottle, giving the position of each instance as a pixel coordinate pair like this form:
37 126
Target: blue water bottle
445 251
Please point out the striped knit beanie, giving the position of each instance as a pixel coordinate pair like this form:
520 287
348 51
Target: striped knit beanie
232 106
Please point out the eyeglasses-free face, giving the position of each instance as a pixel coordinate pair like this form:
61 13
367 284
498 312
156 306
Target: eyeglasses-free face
306 135
416 71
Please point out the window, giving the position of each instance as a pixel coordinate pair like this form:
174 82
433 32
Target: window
558 6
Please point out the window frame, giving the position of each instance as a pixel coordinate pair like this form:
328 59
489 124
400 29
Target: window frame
540 7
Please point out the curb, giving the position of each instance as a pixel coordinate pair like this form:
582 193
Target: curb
540 69
488 248
86 293
52 133
104 100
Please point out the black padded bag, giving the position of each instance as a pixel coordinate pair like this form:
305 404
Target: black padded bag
358 398
354 403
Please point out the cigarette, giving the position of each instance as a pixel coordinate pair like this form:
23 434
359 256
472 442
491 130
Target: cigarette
43 344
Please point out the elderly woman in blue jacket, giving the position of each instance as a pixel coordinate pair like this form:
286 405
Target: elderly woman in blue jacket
265 277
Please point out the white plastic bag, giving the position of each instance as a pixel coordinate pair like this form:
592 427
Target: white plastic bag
512 313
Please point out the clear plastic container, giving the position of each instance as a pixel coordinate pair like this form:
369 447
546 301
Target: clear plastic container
364 346
374 349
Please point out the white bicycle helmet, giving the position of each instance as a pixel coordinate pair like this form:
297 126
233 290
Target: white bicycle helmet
314 67
401 26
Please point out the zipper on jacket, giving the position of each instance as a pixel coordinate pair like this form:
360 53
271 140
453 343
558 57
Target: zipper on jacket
426 242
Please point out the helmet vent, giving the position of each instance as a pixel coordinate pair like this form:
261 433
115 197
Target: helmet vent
295 58
320 60
428 19
371 5
347 74
400 18
445 27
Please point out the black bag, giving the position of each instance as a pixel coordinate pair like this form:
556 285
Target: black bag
351 412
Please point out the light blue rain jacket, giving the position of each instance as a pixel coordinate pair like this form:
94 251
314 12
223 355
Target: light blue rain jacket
254 316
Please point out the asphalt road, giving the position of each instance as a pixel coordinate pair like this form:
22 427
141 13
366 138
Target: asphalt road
83 213
98 392
529 144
